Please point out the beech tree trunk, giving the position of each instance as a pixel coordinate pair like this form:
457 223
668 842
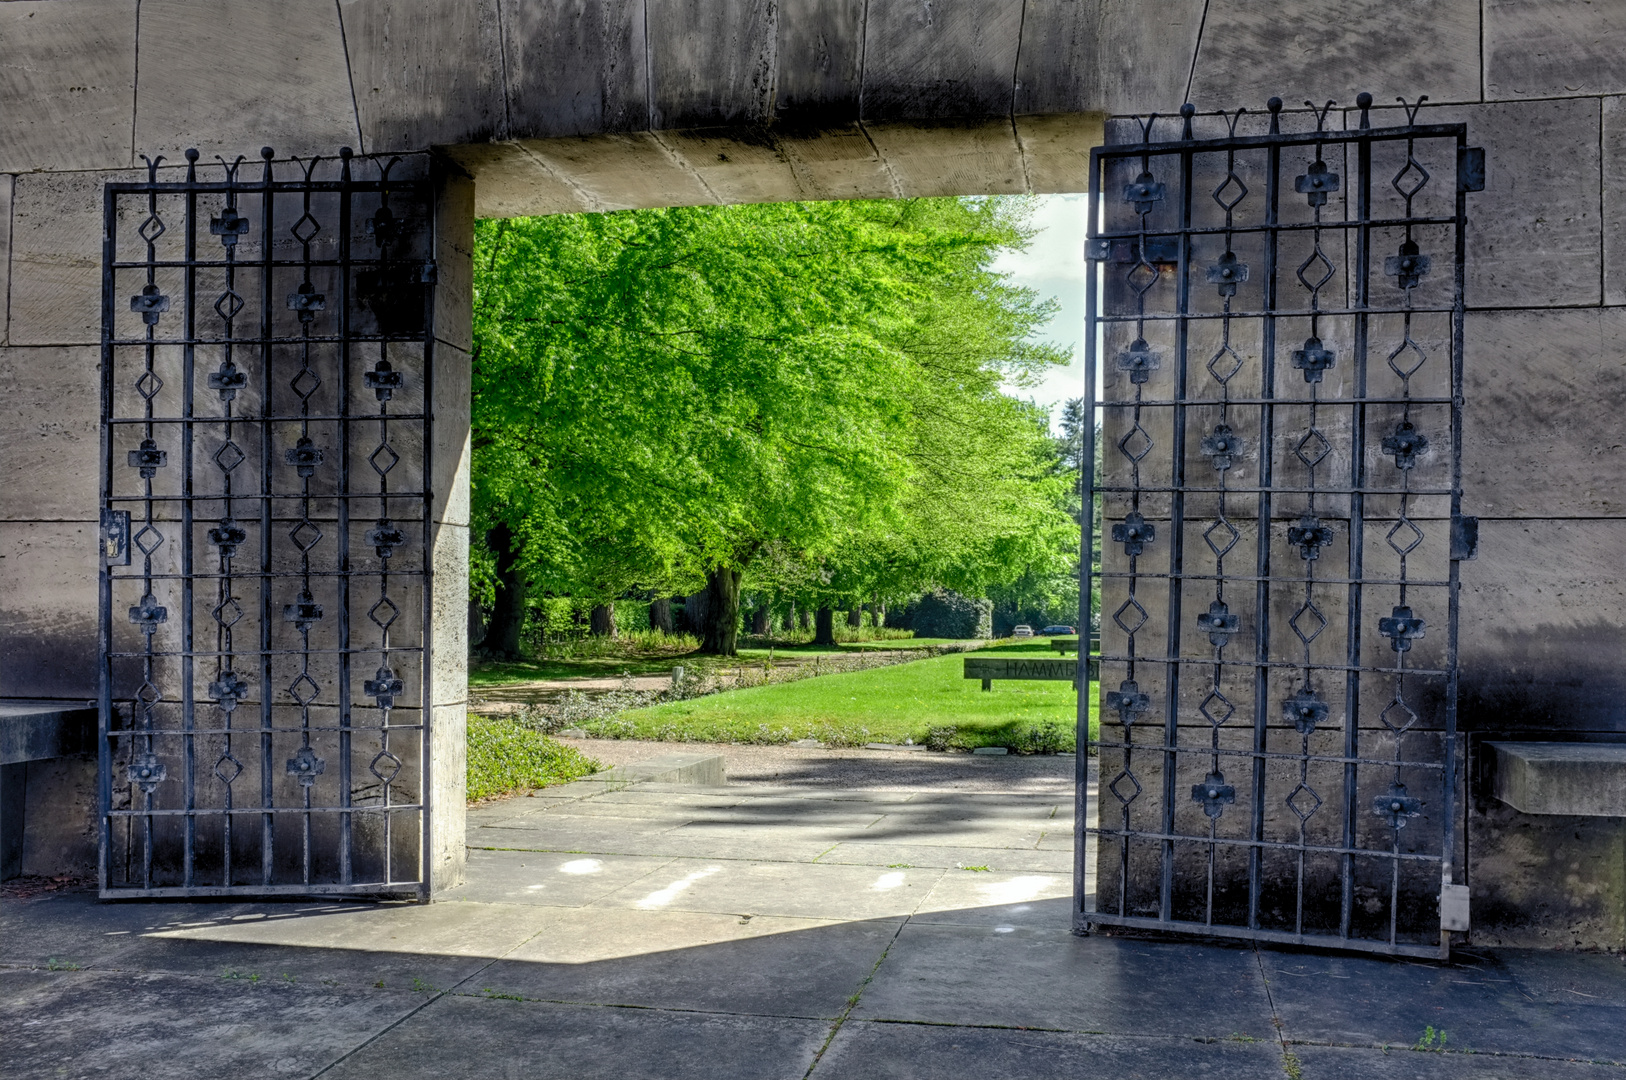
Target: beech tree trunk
722 618
878 610
855 616
760 620
660 615
507 623
802 619
601 620
826 632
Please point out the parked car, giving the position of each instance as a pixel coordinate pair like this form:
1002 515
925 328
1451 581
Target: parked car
1058 631
1022 631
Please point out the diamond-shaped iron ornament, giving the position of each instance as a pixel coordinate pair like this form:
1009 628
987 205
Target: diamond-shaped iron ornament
1139 360
1396 807
148 459
228 304
383 687
1408 189
1218 623
1316 182
1409 267
383 459
227 381
304 612
228 612
149 614
1407 358
146 771
1398 717
1221 537
305 383
1222 446
1405 444
1312 449
1314 359
384 613
385 538
383 380
1230 202
1134 788
1401 628
305 766
1305 711
1404 537
1310 535
229 225
148 539
304 689
148 695
229 689
152 228
1214 794
1303 801
305 229
1136 443
229 456
1315 271
1138 616
148 385
304 456
228 768
305 301
149 303
1216 708
1308 622
1228 273
305 535
1144 193
1224 364
1129 702
1134 533
386 766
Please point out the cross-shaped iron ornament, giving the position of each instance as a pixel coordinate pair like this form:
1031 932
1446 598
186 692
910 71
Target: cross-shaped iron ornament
1310 535
1214 794
1305 710
1129 702
1134 533
1218 623
1401 627
1396 807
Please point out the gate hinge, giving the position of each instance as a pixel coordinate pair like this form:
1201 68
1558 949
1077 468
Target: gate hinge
1464 538
115 538
1159 249
1454 907
1470 168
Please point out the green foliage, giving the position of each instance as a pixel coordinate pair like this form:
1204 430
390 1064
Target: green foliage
504 757
944 613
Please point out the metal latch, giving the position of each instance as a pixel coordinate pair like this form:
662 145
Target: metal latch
1470 168
115 538
1159 249
1464 538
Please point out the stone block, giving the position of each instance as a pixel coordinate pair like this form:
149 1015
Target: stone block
448 614
229 78
68 83
975 158
840 163
452 452
1543 637
1118 58
1614 200
59 816
939 61
1538 48
448 787
622 172
56 258
50 432
1056 150
1541 428
512 182
821 63
425 72
1576 779
6 184
576 68
1327 49
739 169
48 594
454 254
711 62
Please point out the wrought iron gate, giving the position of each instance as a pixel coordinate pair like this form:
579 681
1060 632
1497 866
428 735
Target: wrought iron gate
1280 315
267 353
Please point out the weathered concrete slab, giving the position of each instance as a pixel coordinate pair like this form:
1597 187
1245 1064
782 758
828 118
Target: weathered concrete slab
1395 1063
6 184
1134 58
794 890
621 172
1614 204
425 72
553 879
1331 50
939 61
1577 779
56 258
576 68
824 92
1535 49
182 99
1015 860
514 182
711 62
701 770
68 84
36 730
736 169
700 961
873 1051
983 156
50 432
460 1035
976 898
1056 150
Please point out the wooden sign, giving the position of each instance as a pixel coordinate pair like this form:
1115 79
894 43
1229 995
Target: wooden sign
989 668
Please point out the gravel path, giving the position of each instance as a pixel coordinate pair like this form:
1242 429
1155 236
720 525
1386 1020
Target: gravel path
916 770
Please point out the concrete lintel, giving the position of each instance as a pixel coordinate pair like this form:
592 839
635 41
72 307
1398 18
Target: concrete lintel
1577 779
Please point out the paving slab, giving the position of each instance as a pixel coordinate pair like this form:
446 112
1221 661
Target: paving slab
129 1024
1351 1063
815 891
1027 977
949 856
881 1051
552 879
459 1036
694 960
1566 978
972 898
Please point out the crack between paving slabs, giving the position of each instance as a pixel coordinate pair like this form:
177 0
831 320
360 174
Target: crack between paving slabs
1290 1061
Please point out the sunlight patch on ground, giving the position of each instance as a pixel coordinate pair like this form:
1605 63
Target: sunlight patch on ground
661 897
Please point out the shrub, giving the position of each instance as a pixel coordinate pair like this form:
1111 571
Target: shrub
505 756
947 614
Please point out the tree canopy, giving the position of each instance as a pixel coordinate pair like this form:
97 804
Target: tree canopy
800 397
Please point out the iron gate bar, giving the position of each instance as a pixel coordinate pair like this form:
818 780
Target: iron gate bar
1144 264
400 263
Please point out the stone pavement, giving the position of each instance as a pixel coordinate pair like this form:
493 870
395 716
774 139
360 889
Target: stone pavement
889 928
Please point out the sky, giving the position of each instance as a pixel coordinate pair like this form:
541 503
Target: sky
1053 266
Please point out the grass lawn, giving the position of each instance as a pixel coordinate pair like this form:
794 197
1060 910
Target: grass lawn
642 662
891 704
505 757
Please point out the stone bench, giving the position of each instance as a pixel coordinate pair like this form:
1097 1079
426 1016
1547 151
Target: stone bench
1580 779
34 731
